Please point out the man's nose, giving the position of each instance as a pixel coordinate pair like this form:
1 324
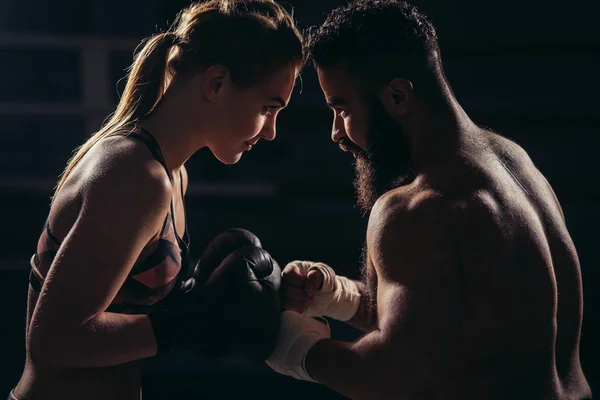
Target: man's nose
337 130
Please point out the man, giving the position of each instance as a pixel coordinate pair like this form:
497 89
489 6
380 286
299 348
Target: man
466 248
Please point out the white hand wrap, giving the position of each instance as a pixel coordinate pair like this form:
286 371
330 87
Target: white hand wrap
297 335
338 298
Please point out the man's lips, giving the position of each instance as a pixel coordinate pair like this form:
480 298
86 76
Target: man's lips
348 150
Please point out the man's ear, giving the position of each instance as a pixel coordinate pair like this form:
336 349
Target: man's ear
396 97
213 80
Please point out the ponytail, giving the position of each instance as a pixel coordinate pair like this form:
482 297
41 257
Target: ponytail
252 38
146 84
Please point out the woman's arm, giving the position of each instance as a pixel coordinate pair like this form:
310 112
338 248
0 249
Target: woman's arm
123 207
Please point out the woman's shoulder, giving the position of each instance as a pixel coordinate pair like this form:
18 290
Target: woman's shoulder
117 166
116 171
117 161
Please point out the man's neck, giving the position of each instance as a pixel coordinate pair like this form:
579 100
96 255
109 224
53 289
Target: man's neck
437 132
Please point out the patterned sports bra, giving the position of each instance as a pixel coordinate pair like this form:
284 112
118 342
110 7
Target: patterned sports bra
160 267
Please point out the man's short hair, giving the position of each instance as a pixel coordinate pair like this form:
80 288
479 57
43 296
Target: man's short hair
378 40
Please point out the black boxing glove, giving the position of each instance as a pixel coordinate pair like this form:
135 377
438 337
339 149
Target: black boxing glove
247 306
236 313
215 252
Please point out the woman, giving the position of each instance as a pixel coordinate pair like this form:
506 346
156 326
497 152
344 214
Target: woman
217 79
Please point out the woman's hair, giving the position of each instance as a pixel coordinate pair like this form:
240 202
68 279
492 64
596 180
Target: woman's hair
252 38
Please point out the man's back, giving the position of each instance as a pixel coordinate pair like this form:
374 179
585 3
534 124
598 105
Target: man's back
520 279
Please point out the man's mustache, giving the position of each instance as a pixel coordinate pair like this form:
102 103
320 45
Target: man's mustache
346 145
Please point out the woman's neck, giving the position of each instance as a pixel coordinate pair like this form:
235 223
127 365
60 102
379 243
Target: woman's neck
174 127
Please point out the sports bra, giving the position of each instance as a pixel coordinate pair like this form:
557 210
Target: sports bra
160 267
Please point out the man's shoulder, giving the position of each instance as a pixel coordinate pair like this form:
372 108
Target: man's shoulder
416 200
405 210
431 209
411 226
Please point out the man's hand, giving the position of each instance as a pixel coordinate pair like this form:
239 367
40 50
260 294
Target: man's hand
313 289
299 285
296 336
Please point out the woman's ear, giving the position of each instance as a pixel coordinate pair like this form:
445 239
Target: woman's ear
212 81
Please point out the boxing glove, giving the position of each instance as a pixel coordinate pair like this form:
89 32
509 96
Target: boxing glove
215 252
235 313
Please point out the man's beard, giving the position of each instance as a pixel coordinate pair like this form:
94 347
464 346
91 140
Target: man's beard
386 161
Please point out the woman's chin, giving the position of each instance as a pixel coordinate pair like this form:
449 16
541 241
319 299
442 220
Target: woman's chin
230 159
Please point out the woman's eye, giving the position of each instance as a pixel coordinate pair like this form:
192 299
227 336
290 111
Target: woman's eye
269 110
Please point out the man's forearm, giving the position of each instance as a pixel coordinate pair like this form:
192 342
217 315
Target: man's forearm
365 318
345 367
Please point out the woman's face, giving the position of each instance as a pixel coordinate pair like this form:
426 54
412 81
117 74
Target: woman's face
246 115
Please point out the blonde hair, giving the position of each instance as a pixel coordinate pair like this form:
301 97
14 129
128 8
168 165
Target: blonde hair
252 38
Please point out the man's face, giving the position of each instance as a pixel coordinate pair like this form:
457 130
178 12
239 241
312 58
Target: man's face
361 126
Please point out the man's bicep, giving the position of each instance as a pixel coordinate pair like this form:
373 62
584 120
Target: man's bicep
417 316
418 290
419 325
365 318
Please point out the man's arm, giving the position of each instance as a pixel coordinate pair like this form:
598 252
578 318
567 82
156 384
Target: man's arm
314 289
417 301
349 368
365 318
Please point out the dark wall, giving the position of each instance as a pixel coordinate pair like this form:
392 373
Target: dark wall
525 69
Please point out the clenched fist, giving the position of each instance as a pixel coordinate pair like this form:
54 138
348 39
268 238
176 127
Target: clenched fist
313 289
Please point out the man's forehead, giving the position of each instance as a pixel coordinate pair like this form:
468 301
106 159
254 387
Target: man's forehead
337 82
334 76
340 87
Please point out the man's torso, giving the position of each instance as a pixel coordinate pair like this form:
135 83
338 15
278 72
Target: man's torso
519 279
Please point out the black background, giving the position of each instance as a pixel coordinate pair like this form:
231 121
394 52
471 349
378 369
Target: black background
527 70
